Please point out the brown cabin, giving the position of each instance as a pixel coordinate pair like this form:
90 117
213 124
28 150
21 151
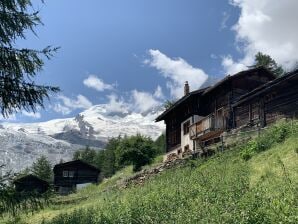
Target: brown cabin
179 117
71 175
31 183
267 103
217 102
204 114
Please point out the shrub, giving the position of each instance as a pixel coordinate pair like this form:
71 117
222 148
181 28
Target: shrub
275 134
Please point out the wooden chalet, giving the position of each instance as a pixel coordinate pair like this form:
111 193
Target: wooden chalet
178 118
267 103
202 115
217 102
31 183
70 175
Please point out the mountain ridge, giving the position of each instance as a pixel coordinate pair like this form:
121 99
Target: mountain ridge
60 138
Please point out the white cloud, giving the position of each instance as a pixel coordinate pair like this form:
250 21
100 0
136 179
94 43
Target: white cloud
176 71
268 26
96 83
11 117
67 105
158 93
231 66
59 108
225 18
143 101
31 114
116 105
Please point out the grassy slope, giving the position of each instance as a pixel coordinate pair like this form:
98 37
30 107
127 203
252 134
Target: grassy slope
222 189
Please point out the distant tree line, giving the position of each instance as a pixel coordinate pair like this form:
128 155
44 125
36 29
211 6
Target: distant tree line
120 151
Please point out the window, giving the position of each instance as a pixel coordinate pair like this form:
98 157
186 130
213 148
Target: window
65 173
71 174
186 127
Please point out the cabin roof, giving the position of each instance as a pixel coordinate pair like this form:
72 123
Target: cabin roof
75 163
238 75
178 102
30 177
207 90
266 87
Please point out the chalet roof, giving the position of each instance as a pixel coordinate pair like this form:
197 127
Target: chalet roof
266 87
30 177
178 102
207 90
75 163
238 75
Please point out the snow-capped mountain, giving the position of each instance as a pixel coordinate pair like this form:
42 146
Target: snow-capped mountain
22 143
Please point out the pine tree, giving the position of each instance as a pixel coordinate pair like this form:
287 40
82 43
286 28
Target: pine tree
42 168
18 66
267 62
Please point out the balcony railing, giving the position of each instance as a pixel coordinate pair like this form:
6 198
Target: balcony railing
206 125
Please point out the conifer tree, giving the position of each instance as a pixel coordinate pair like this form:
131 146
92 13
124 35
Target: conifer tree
18 66
269 63
42 168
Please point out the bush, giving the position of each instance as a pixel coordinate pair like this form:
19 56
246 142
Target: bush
275 134
136 150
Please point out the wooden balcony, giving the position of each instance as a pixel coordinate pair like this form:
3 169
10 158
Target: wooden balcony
207 127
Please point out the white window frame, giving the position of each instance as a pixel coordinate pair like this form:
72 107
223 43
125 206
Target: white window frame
65 173
71 174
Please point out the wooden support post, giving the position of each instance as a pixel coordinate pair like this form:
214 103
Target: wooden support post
222 144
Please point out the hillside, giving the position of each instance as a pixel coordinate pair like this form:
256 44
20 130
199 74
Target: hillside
225 188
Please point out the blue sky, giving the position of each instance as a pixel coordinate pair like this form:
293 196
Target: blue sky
135 54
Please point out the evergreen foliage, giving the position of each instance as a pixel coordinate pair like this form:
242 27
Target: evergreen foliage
267 62
42 168
18 66
106 159
121 151
168 104
87 155
136 150
160 144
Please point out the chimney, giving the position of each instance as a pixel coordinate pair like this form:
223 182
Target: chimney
186 88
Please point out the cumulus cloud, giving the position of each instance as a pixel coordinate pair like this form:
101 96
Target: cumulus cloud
268 26
158 93
67 105
116 105
138 101
59 108
31 114
96 83
225 18
143 101
176 71
231 66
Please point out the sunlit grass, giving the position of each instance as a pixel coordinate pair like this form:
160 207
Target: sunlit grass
221 189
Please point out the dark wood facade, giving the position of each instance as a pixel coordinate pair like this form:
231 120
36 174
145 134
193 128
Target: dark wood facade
184 108
31 183
68 175
213 105
268 103
217 101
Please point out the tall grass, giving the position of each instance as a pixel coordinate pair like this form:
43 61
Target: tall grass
222 189
277 133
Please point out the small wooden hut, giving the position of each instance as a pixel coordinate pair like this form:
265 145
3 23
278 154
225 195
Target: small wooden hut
71 175
31 183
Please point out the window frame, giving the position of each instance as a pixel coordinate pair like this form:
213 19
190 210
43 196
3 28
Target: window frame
65 173
186 125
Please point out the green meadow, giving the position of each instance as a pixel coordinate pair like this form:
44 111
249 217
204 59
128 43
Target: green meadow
253 182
